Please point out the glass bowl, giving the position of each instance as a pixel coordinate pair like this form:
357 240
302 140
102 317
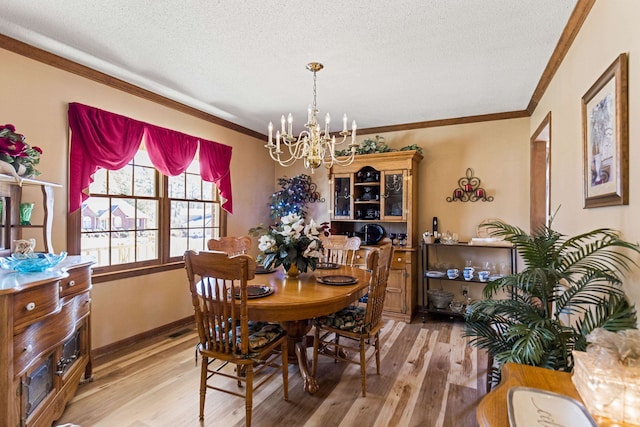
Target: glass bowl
33 262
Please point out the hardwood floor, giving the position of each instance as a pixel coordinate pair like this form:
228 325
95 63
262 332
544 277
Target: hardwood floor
429 377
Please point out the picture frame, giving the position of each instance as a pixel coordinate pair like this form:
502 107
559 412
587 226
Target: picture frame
605 130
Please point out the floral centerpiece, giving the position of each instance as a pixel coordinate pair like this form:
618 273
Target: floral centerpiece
17 153
291 243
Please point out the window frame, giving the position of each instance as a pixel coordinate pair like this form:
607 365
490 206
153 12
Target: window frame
166 262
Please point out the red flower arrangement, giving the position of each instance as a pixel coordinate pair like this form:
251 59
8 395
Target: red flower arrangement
15 151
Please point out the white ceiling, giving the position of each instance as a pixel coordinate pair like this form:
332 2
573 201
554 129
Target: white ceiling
386 62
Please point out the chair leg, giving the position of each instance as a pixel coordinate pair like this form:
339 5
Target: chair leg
377 350
203 384
249 394
363 367
285 369
337 341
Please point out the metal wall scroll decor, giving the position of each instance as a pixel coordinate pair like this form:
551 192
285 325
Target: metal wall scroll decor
469 190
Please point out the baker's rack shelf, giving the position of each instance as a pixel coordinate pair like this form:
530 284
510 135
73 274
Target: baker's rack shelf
457 252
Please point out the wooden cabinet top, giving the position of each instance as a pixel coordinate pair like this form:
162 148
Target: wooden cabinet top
12 281
381 161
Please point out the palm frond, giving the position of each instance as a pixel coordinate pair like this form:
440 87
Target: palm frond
614 315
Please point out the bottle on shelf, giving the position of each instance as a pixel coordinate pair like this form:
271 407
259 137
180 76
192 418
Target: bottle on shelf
435 230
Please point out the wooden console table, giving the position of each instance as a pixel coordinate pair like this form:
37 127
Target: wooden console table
492 410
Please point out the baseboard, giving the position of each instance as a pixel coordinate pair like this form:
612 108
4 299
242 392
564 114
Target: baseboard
119 345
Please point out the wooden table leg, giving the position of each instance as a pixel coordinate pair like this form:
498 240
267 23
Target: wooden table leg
298 343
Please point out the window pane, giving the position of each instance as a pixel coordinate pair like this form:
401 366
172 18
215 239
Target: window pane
95 214
147 214
99 184
147 245
196 215
122 247
194 187
176 187
120 181
97 246
196 241
144 182
123 214
178 244
208 191
179 214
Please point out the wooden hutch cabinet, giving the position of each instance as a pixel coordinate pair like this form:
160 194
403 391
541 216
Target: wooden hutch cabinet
45 323
381 190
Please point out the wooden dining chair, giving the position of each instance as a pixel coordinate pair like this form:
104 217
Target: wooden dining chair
230 245
359 325
340 249
218 285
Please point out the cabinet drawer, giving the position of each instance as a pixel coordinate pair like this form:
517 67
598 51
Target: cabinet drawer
361 257
77 281
39 337
34 304
399 260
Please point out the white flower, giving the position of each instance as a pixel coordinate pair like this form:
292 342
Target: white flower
311 229
312 250
291 219
267 243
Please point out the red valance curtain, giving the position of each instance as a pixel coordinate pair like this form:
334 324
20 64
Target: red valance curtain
100 139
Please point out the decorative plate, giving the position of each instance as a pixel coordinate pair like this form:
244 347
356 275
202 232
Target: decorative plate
337 280
434 274
531 406
257 291
373 233
327 266
261 270
33 262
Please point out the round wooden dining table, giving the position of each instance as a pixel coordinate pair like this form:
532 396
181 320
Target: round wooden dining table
295 302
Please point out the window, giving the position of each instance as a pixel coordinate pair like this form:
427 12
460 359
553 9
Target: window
122 222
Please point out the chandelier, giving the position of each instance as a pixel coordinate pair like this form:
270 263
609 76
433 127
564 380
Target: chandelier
313 145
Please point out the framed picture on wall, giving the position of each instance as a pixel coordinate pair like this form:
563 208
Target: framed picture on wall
605 111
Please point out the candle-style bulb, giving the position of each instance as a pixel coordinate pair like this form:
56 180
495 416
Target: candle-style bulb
344 122
353 133
271 133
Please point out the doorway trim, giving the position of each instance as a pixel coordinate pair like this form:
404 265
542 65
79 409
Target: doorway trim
540 175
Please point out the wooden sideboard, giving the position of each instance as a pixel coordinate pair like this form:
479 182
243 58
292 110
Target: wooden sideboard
46 342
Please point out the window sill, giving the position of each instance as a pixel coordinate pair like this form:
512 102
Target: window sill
134 272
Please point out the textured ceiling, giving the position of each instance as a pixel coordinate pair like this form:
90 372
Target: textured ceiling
386 62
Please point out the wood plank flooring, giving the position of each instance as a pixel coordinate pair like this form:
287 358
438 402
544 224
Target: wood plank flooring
429 377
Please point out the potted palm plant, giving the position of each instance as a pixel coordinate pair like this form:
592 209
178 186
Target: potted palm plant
569 286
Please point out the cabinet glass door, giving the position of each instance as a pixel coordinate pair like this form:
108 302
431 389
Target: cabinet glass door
342 197
394 195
